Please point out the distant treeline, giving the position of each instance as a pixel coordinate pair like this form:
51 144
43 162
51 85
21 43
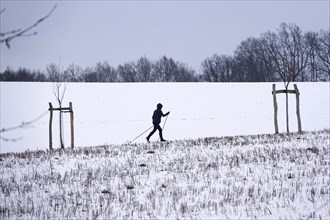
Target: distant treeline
285 55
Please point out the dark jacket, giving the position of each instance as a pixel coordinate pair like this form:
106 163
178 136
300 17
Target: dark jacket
156 117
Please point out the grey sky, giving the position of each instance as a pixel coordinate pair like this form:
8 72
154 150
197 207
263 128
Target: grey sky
86 32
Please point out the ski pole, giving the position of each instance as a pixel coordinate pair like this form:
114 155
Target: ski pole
140 134
165 122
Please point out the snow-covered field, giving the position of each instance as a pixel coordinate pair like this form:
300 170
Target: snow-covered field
222 160
239 177
117 113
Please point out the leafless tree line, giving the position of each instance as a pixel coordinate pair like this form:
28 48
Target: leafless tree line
143 70
287 55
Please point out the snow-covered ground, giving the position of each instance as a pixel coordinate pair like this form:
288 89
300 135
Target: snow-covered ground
207 170
116 113
240 177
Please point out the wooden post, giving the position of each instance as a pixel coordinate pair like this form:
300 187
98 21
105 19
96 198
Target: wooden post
50 126
61 127
287 110
275 109
65 110
71 123
286 91
298 108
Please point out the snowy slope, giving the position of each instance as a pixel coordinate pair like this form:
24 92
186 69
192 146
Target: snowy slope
117 113
240 177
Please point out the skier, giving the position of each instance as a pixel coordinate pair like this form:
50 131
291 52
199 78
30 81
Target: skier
156 118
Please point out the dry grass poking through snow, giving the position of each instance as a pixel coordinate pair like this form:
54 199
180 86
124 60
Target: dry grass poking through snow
248 177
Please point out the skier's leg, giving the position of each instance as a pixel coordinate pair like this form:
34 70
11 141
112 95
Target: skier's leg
151 133
160 133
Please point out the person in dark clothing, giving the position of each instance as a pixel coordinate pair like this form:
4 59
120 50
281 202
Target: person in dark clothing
156 118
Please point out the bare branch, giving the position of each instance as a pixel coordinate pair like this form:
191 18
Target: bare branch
20 126
9 32
10 139
23 33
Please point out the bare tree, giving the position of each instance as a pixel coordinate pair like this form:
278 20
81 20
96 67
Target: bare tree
184 74
217 68
314 61
53 73
105 72
127 72
288 55
73 73
8 36
89 75
164 70
210 69
323 51
250 65
59 89
144 70
287 51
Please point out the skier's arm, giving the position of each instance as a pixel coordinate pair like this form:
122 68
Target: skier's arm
162 114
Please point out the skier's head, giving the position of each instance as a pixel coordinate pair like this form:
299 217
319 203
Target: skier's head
159 106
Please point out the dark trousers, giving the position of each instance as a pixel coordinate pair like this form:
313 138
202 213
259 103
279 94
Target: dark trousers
156 127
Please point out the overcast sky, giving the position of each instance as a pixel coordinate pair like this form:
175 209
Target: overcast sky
86 32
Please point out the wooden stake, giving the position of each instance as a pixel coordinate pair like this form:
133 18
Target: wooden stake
286 91
50 126
71 123
275 109
287 112
65 110
298 108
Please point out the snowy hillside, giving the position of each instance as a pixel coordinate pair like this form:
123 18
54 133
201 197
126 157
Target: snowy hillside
117 113
240 177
